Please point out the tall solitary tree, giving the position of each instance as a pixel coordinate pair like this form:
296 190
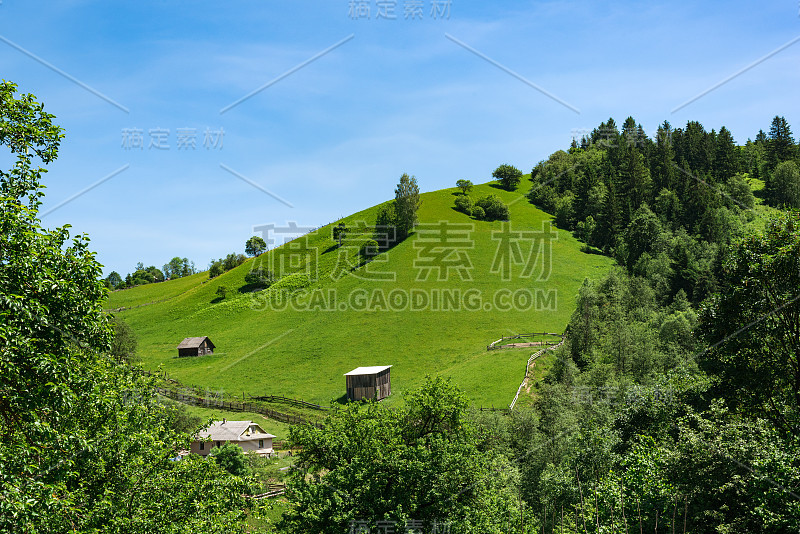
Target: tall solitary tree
508 176
255 246
464 185
407 202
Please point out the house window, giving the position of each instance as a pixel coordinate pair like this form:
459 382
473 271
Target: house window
218 444
202 446
261 444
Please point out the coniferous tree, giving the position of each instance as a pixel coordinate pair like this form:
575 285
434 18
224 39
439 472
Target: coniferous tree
663 161
725 156
780 144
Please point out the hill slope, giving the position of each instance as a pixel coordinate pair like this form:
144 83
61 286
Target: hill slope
348 318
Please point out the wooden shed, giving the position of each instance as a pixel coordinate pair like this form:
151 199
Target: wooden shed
195 346
369 383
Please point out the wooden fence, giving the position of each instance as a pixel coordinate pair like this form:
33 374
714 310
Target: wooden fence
533 358
500 343
234 406
285 400
273 490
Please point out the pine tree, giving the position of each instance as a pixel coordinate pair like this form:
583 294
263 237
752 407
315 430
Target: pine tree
725 156
663 161
780 144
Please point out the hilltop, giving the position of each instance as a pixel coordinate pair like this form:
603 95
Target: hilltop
347 313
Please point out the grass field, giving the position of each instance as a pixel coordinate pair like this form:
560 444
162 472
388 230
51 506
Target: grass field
347 318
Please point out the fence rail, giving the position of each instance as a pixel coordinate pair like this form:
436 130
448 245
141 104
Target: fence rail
500 343
234 406
286 400
533 358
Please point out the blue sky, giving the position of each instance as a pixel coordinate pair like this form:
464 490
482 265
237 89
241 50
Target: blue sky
394 96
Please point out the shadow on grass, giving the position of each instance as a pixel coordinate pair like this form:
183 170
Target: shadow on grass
251 288
587 249
340 400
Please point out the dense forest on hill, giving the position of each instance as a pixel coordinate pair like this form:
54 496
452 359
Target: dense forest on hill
673 405
677 395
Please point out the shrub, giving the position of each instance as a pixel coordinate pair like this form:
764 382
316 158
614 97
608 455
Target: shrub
259 277
222 292
493 208
231 458
478 213
464 204
369 249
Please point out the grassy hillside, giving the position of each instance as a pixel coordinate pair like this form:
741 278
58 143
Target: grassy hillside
302 349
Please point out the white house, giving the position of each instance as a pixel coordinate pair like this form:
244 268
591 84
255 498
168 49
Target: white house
246 434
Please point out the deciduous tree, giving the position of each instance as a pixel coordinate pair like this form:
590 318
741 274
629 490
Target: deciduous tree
508 175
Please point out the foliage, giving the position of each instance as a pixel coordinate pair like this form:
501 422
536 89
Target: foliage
339 232
785 185
417 463
464 204
85 448
259 278
494 209
113 280
123 342
465 186
144 275
178 268
255 246
222 292
508 176
230 457
231 261
406 202
369 249
752 322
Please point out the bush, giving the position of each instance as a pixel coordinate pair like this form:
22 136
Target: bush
478 213
544 197
215 269
565 212
222 292
493 208
231 458
464 204
259 277
123 345
369 249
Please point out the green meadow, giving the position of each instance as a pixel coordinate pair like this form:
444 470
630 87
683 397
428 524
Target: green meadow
422 309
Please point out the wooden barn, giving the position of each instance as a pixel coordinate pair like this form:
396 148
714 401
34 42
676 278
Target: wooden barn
369 383
195 346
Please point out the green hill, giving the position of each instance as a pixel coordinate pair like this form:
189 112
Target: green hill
346 318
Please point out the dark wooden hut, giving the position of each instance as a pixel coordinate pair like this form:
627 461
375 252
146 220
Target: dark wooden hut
195 346
369 383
